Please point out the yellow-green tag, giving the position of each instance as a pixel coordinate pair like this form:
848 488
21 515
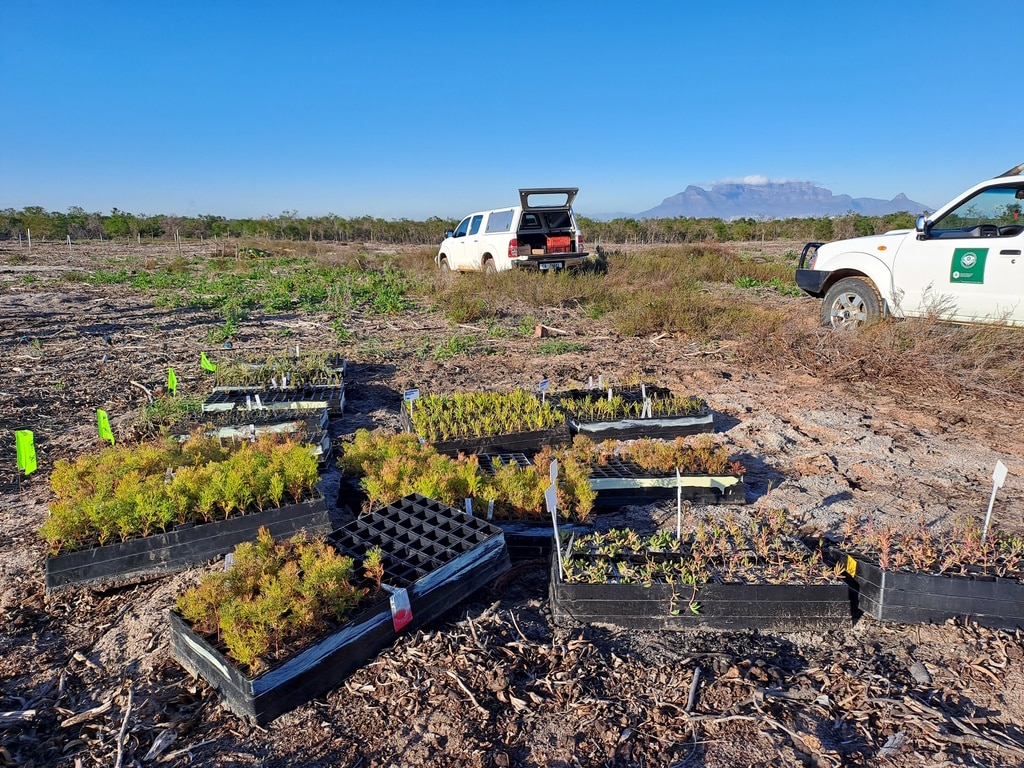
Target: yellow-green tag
851 566
103 423
24 442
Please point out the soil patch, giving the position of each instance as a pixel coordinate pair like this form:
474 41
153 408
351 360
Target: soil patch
87 676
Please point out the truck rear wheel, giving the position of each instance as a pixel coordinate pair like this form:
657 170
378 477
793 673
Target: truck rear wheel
852 302
489 268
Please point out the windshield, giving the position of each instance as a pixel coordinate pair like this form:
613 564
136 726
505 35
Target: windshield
997 205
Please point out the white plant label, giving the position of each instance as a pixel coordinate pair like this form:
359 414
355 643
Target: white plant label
998 478
551 499
469 506
553 471
679 506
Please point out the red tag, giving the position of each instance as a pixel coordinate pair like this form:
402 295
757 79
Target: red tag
401 609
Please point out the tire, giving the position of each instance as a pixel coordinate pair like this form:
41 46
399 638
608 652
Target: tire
489 268
445 269
851 303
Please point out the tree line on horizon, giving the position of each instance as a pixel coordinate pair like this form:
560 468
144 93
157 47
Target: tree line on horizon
78 224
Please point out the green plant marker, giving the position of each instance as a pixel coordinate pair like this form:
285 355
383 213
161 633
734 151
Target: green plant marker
172 382
104 425
24 442
207 365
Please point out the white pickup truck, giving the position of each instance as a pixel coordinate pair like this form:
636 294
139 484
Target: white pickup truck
964 263
540 233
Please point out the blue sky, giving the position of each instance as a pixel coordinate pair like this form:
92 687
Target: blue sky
403 109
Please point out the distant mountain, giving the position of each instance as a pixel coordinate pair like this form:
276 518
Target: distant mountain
773 199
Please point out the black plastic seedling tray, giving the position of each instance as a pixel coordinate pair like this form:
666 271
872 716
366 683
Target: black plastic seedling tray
534 540
619 482
662 427
516 442
308 674
263 420
333 370
236 425
288 398
130 561
913 598
436 554
763 607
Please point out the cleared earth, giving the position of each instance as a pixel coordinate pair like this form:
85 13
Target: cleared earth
87 676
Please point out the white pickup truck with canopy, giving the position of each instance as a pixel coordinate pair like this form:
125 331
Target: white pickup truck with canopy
539 233
964 263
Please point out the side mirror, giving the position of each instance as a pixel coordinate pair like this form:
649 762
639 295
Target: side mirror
447 233
923 226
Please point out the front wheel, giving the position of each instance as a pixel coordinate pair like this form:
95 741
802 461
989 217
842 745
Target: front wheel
489 268
445 269
851 303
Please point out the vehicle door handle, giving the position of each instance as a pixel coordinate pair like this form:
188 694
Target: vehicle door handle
1010 253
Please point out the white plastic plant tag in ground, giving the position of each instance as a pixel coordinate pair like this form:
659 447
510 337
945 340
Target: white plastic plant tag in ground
401 608
609 394
273 382
490 509
543 387
229 560
259 403
998 478
643 390
551 499
679 506
590 384
553 472
409 396
248 403
647 411
469 506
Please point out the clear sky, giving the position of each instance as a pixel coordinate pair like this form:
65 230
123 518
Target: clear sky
415 109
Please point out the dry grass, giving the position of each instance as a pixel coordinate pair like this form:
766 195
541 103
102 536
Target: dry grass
687 290
910 355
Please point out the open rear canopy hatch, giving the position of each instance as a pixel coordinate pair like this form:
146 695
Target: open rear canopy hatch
548 198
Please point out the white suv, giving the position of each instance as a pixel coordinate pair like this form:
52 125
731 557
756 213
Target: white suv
540 233
964 263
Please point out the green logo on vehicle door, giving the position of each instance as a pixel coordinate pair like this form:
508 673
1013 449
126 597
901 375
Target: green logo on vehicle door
968 265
